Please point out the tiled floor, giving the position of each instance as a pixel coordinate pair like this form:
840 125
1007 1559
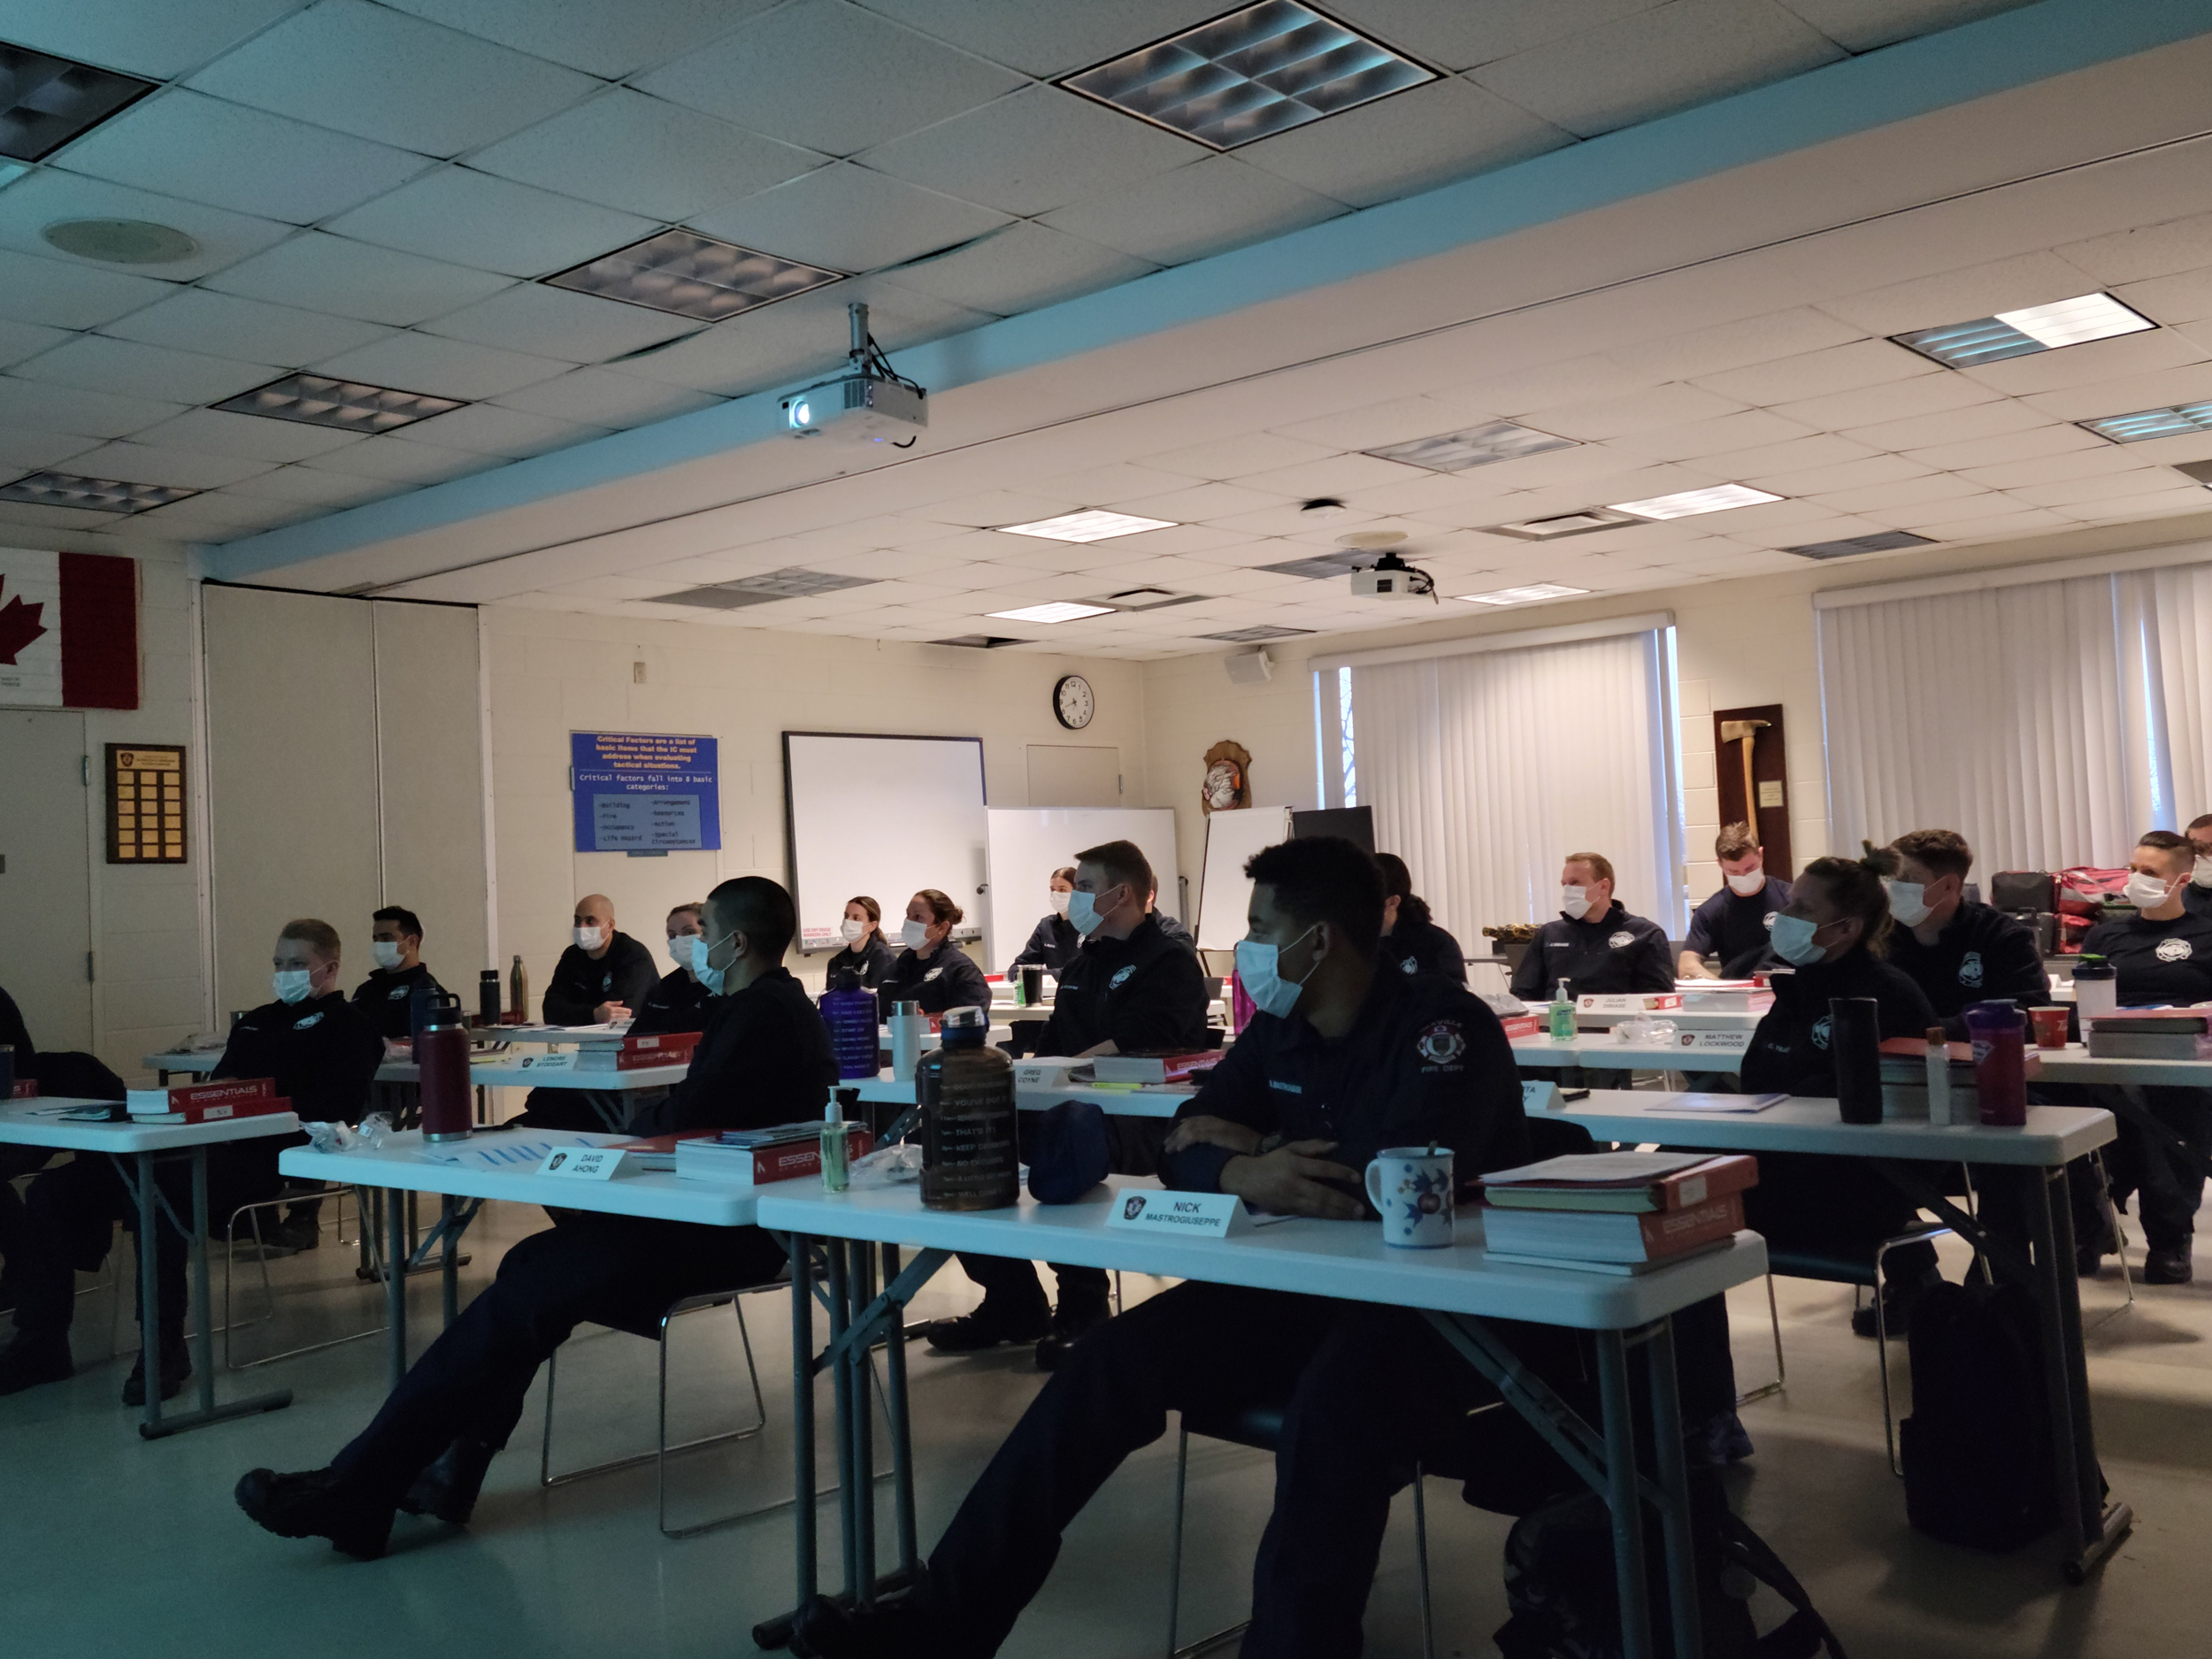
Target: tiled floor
110 1546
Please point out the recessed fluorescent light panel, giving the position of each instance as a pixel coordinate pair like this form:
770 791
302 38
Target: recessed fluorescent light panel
2071 322
1094 525
1058 610
45 102
1477 446
1523 596
91 494
1887 541
694 276
792 582
319 401
1688 503
1564 523
1321 566
1254 72
2153 423
1253 636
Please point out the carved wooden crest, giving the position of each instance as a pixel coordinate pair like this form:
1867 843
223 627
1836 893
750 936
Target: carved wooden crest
1228 781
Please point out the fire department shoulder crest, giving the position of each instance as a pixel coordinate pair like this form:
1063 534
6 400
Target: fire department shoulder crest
1442 1042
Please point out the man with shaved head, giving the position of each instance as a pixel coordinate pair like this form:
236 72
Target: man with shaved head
602 975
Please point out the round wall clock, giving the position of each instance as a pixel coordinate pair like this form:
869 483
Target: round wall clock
1073 704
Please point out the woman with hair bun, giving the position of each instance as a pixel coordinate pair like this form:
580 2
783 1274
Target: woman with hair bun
931 969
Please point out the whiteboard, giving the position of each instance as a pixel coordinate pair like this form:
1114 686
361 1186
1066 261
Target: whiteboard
1028 843
1226 894
886 816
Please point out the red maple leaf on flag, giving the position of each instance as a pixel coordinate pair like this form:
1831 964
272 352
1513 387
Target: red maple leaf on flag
20 624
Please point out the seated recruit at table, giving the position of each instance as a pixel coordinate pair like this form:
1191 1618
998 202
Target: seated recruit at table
1343 1059
765 1059
864 955
1593 944
1733 924
396 994
679 1002
1053 939
1954 949
932 971
602 975
322 1056
1412 941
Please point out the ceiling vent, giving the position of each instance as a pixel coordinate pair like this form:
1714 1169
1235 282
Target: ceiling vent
1477 446
1253 636
979 642
789 583
45 102
348 405
694 276
91 494
1564 523
1886 541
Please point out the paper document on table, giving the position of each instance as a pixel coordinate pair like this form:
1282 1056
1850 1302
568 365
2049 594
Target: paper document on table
503 1154
1588 1169
1744 1104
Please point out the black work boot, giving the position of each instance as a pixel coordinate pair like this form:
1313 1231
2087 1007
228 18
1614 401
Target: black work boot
993 1324
314 1503
447 1489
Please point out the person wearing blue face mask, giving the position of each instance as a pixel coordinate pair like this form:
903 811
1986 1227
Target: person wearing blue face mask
320 1054
931 969
1054 939
764 1058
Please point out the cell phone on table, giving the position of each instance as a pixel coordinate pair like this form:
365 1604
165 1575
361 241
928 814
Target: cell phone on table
1574 1093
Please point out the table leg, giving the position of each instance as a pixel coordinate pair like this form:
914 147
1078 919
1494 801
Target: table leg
1621 1495
1675 1513
395 1277
449 1259
840 1397
149 1298
860 1277
803 1500
901 1430
204 1343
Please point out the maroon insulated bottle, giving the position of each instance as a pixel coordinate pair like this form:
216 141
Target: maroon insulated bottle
441 1056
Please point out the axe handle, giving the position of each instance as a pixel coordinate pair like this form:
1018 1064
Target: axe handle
1750 790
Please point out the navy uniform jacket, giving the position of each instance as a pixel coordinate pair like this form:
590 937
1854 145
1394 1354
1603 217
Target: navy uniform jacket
1052 941
392 1000
2195 900
1418 945
949 979
765 1059
2158 961
322 1053
871 961
1172 927
626 974
1426 1062
1145 993
1981 955
1620 954
1789 1050
13 1030
1736 929
679 1002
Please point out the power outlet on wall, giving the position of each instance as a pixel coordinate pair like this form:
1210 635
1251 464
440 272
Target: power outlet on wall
637 673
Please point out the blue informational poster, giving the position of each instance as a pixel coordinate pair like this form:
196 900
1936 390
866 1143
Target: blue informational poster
638 793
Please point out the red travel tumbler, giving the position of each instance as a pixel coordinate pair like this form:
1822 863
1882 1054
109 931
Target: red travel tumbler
441 1056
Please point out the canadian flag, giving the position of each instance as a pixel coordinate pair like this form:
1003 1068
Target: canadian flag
68 630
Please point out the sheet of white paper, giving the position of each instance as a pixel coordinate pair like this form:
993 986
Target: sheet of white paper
1596 1168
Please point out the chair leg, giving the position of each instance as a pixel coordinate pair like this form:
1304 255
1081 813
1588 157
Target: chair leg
1421 1562
545 1441
1175 1557
1781 1372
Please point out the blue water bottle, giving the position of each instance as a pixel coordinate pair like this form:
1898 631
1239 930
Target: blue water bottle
851 1014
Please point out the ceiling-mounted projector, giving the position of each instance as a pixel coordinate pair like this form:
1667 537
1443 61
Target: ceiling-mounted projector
871 402
1391 578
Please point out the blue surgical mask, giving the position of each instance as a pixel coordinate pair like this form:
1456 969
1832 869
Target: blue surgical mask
1259 969
710 978
914 934
1083 913
293 985
1792 940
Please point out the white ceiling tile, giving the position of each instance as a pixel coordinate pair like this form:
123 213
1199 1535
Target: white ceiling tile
1861 26
380 75
202 319
1827 480
1961 295
2190 446
330 490
1977 420
1205 503
23 513
2044 469
1412 140
594 35
66 292
182 143
159 40
356 279
1103 486
1460 34
1723 435
22 448
1651 62
2096 362
1736 345
1909 492
218 516
2189 384
606 397
995 508
472 219
1228 458
1022 267
831 76
488 429
1638 412
2141 480
1378 423
560 323
442 368
1795 455
1032 151
1342 476
181 469
2185 297
1046 40
255 437
623 150
51 194
1813 373
1513 392
1211 206
19 340
1928 395
385 456
2145 252
49 408
848 219
2011 446
128 369
2165 503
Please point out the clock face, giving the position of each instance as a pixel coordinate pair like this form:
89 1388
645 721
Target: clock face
1072 703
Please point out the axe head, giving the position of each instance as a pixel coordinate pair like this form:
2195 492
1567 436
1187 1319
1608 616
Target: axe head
1732 730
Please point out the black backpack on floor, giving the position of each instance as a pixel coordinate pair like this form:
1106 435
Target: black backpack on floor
1977 1448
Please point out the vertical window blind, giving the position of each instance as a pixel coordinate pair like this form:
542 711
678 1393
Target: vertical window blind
1486 769
2048 722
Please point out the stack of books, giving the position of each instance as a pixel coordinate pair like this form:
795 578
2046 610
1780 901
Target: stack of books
754 1157
2151 1033
1154 1067
1615 1212
1725 996
631 1054
205 1102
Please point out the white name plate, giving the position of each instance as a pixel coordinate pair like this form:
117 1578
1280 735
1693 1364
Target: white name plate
543 1062
1712 1041
583 1163
1185 1214
1539 1097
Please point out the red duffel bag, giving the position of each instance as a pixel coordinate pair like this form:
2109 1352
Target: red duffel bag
2084 891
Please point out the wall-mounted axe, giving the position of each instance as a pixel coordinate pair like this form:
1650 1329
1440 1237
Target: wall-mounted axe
1730 731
